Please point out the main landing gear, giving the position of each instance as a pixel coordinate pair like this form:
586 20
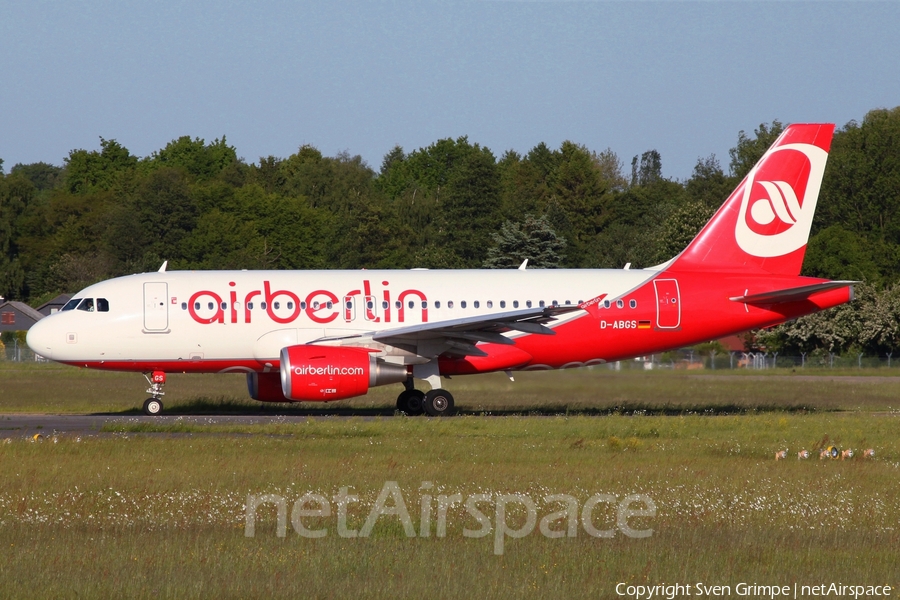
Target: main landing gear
435 403
153 406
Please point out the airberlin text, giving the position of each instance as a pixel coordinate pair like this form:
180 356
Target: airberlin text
328 370
320 306
501 516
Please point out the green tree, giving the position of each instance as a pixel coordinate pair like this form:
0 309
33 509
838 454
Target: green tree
749 150
449 195
166 212
836 253
201 160
648 171
532 239
581 197
267 174
861 190
681 226
16 193
42 175
92 171
708 183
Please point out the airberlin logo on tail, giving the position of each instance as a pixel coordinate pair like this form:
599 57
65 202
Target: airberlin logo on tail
773 220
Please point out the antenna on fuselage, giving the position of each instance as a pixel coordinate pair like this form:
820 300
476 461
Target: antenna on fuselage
523 265
162 269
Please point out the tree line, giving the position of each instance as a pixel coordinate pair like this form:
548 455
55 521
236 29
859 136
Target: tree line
454 204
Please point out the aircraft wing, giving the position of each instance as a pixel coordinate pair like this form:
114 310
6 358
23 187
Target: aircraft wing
460 336
791 294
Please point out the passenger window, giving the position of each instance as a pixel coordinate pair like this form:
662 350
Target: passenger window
490 304
398 304
515 304
329 304
476 304
249 306
211 306
462 304
449 303
276 305
503 304
541 304
290 306
606 304
528 303
184 306
370 305
315 305
437 303
87 305
224 305
262 305
632 303
349 304
424 304
384 304
102 305
302 305
620 304
196 306
412 304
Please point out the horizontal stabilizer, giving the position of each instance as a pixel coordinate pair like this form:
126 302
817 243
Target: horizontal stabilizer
791 294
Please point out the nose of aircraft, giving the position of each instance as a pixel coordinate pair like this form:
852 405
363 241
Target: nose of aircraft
40 338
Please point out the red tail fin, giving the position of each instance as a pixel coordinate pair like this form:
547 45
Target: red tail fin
764 225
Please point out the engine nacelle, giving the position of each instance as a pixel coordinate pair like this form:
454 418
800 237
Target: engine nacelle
323 373
265 387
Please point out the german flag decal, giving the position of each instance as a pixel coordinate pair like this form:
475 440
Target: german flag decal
643 324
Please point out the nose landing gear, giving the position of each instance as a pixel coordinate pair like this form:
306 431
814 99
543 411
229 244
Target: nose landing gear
153 406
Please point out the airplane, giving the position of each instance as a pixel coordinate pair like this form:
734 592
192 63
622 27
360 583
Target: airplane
330 335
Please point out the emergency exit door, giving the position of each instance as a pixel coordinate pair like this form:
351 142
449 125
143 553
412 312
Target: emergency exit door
668 303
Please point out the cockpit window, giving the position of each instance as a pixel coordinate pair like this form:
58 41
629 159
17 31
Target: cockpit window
87 304
71 304
102 305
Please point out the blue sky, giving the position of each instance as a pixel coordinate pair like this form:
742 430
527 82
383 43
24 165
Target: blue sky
679 77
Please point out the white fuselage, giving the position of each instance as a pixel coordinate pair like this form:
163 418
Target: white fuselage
249 316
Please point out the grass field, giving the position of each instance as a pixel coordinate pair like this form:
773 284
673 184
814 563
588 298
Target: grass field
51 388
158 510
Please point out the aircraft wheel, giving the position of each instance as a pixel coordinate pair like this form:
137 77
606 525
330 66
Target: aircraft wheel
439 403
153 407
410 402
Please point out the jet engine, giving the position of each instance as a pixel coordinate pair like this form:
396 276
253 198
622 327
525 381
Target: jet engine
323 373
265 387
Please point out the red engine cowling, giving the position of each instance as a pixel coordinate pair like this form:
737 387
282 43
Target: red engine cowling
332 373
265 387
